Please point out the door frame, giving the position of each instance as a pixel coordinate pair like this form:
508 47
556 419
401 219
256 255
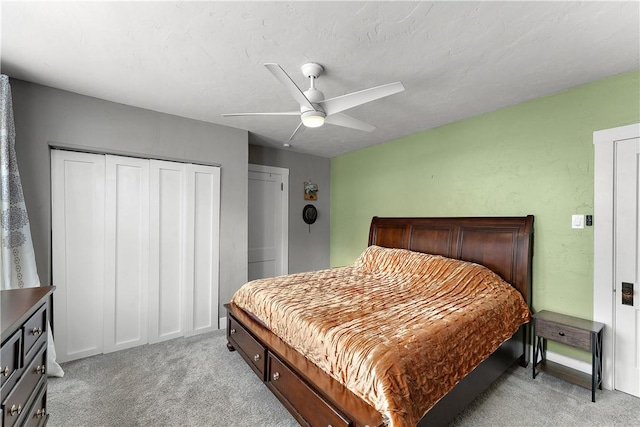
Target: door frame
603 239
285 208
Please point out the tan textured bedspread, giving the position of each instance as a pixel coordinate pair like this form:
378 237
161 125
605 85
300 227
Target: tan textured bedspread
398 328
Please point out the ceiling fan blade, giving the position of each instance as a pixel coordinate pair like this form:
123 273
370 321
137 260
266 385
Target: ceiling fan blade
295 131
340 119
286 81
350 100
284 113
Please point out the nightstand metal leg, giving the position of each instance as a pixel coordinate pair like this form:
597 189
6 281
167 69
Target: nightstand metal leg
600 360
538 351
594 367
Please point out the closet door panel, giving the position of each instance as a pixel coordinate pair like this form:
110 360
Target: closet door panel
77 186
126 253
135 251
167 244
203 248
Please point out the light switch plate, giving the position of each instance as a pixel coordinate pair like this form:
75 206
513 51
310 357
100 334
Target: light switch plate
577 221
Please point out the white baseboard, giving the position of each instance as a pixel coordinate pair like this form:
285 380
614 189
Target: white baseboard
222 323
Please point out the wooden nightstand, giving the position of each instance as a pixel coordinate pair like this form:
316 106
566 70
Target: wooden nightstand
572 331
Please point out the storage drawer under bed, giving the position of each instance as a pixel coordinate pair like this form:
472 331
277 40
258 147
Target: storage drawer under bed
291 389
250 349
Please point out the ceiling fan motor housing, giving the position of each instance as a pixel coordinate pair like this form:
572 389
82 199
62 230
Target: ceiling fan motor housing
314 96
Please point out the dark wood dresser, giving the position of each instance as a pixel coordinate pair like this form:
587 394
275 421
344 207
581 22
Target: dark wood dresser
23 356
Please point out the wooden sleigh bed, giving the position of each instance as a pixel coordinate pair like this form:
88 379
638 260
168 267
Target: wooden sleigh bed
504 245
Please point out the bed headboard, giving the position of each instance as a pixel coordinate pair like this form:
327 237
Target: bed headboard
503 244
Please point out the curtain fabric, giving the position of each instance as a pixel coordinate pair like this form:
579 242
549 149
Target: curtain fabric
16 247
17 258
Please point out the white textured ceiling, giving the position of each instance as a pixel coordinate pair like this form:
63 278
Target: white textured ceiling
201 59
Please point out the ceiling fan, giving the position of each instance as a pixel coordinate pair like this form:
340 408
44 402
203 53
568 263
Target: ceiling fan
315 110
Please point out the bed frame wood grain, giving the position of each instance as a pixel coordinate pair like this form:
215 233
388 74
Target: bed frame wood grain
503 244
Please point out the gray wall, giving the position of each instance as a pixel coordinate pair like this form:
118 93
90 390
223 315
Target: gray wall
307 251
44 115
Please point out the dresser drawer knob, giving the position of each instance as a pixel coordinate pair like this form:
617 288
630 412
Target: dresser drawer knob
15 410
232 332
256 357
36 331
561 334
41 413
40 369
5 371
276 375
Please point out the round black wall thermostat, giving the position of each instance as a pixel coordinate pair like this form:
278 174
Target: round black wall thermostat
309 214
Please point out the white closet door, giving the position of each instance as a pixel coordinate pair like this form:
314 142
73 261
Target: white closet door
126 253
167 275
202 252
77 187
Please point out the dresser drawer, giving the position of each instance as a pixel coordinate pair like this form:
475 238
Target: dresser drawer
9 362
248 347
34 329
565 334
291 388
16 403
37 415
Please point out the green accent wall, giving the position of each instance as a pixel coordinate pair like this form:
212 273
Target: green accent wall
532 158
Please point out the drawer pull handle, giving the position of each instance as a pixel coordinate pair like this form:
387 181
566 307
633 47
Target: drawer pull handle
232 332
41 413
36 331
276 375
256 357
5 372
15 410
40 369
561 334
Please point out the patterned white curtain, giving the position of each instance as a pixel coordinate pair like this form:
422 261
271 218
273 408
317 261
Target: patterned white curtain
17 258
16 248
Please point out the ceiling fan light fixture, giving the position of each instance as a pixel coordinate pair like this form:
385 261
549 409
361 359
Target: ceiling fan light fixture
313 119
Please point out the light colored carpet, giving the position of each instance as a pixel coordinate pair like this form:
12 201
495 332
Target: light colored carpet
197 382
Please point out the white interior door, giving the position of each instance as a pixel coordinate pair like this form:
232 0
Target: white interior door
627 251
126 253
167 234
268 222
77 226
203 248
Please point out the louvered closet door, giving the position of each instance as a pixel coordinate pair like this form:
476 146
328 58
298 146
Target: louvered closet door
126 253
167 272
77 225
